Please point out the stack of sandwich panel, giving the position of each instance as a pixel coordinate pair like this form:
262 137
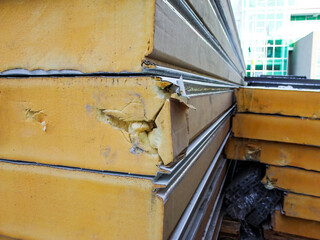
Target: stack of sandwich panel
113 117
281 128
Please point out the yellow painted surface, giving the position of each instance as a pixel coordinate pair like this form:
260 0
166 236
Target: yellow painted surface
293 179
89 36
284 102
295 226
277 128
40 202
302 206
274 153
88 122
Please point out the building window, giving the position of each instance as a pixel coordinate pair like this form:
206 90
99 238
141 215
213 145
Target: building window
278 52
270 52
269 65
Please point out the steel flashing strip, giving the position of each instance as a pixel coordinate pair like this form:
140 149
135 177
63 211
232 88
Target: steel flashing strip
195 78
175 81
209 93
192 216
188 88
215 220
168 174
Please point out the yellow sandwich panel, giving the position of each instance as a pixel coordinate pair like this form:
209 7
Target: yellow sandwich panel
88 36
39 202
302 206
295 226
279 101
122 124
274 153
104 36
77 198
293 179
89 122
276 128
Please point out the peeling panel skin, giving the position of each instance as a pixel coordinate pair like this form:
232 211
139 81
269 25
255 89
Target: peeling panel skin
302 206
274 153
170 136
275 128
293 179
179 128
295 226
88 122
49 203
283 102
88 36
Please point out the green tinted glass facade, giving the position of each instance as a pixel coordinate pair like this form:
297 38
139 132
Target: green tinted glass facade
268 31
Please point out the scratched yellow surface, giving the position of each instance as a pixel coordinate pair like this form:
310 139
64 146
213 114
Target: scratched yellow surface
293 179
277 128
284 102
302 206
295 226
274 153
89 122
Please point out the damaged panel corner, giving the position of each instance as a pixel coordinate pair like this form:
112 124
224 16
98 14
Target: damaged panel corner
122 124
170 136
98 123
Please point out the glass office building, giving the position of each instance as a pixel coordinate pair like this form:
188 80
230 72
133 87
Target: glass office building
269 28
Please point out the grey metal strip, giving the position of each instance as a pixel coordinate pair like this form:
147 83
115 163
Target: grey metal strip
216 84
191 219
195 78
214 218
208 93
169 173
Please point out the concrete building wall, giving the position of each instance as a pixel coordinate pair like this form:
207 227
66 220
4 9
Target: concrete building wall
305 57
315 61
302 57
